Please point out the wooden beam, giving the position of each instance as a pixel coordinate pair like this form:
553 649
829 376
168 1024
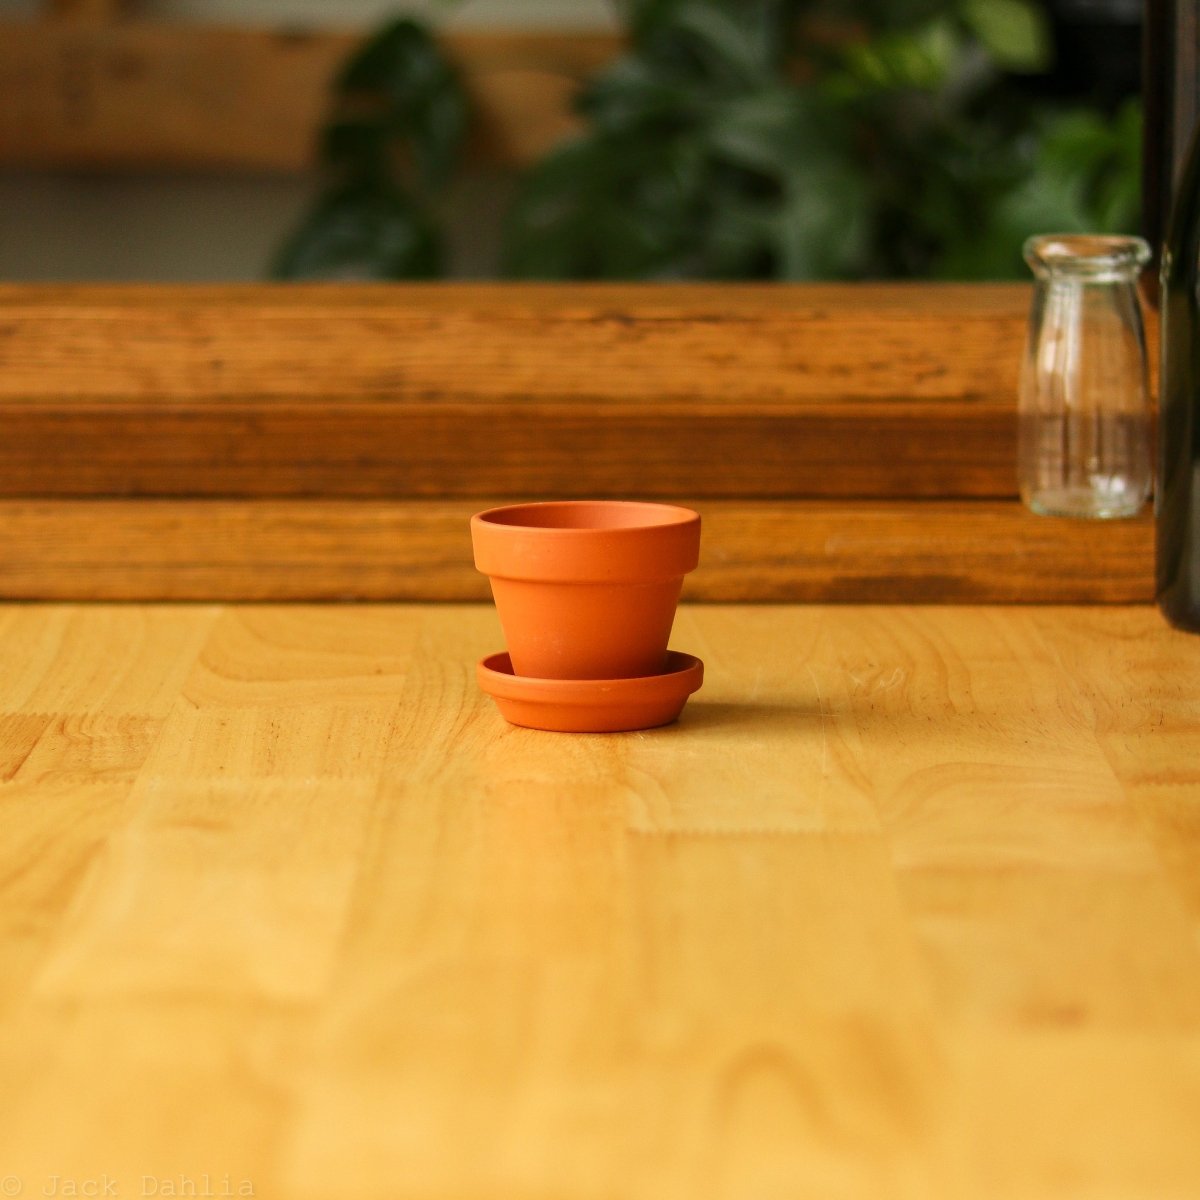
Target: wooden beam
843 442
144 95
797 551
474 390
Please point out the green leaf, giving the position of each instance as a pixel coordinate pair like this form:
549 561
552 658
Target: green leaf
1118 192
357 145
605 207
1082 177
923 59
438 131
644 18
823 227
769 130
1015 32
886 15
401 80
735 52
361 232
400 60
758 25
635 92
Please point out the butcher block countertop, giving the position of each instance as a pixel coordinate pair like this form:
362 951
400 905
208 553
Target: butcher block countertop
907 905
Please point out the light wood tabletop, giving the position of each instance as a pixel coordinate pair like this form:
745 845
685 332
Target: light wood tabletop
907 905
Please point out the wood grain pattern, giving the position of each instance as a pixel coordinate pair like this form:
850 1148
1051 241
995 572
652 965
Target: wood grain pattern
905 906
932 551
479 390
83 93
512 342
330 442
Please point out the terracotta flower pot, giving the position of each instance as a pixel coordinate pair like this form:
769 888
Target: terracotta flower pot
587 589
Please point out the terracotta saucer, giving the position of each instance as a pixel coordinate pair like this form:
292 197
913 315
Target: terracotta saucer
591 705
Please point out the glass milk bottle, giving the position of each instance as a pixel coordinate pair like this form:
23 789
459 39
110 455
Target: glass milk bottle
1084 434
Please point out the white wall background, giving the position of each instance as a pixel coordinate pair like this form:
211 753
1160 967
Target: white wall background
56 227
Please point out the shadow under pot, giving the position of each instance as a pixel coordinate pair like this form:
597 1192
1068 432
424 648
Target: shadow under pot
587 589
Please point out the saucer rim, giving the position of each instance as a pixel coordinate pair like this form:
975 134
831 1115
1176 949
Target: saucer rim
684 676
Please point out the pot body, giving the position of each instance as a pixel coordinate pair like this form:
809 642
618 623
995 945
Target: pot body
586 630
587 589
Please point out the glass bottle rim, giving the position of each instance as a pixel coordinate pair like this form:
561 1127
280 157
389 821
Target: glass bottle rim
1099 256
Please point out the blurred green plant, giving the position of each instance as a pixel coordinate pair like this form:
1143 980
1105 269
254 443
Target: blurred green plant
743 139
393 141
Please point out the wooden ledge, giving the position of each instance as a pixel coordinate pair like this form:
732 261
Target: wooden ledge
842 442
775 551
478 390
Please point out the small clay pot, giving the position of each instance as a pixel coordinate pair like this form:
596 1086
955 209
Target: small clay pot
586 589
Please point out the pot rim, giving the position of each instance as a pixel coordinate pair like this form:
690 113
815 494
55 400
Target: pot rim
587 541
667 516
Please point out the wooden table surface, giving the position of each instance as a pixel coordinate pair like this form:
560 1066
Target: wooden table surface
908 905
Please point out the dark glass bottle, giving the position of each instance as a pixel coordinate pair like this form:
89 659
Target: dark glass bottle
1171 105
1177 500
